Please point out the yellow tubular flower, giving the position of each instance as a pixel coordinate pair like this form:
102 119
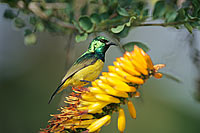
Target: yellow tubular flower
114 75
88 97
94 108
85 103
148 60
108 89
96 90
98 123
139 67
117 64
128 55
78 122
121 120
130 69
129 77
119 85
79 126
84 116
131 109
103 78
94 84
89 108
107 98
137 55
125 61
99 111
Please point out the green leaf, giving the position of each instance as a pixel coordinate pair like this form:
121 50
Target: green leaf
91 30
130 21
69 11
104 15
140 5
84 9
33 20
118 29
171 16
85 23
171 77
145 13
94 1
19 23
30 39
95 18
105 2
123 33
40 27
27 32
80 38
122 11
188 27
159 9
25 11
181 14
77 26
9 14
48 12
130 46
195 24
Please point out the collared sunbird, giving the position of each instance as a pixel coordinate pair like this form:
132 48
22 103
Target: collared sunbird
87 67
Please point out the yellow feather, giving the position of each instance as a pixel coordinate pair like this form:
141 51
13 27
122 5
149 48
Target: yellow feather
88 73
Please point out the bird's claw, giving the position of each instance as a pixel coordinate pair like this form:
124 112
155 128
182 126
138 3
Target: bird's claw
86 81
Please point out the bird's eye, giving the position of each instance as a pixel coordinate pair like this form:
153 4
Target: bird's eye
103 41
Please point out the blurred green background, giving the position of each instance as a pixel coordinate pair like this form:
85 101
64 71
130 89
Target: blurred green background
29 75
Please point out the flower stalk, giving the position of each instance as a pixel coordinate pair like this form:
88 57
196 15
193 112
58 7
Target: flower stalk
88 109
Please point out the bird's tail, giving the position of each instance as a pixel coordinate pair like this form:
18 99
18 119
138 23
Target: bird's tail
58 90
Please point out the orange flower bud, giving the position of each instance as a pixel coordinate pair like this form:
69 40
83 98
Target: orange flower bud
131 109
137 94
158 75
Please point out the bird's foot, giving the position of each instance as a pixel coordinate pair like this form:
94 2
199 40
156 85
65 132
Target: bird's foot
86 81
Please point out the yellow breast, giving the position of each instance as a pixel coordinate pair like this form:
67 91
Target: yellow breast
88 73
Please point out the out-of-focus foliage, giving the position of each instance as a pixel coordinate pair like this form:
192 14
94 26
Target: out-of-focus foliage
129 46
84 17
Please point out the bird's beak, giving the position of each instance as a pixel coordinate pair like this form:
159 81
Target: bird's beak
111 43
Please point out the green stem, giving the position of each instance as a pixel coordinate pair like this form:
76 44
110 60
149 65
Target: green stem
165 24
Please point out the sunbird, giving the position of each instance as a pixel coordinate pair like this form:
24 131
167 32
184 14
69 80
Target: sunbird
87 67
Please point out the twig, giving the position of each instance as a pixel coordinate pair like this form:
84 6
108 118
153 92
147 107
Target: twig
54 5
62 23
165 24
113 15
33 6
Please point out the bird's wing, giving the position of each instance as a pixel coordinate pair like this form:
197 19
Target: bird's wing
82 62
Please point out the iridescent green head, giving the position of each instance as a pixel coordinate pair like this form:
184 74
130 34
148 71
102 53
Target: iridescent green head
100 45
